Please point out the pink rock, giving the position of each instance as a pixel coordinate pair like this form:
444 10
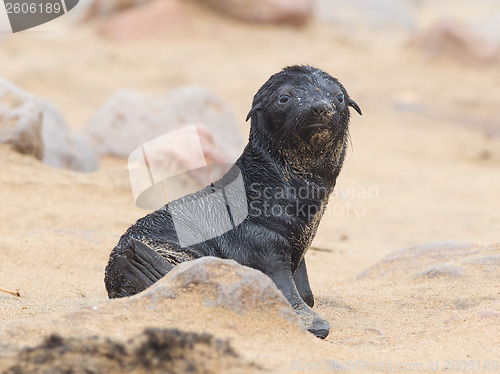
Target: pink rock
266 11
107 7
148 20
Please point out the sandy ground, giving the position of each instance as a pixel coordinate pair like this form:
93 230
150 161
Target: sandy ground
425 174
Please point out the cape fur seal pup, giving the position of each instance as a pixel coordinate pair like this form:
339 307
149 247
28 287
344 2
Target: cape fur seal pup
273 197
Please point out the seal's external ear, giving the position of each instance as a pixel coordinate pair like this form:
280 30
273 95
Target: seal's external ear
255 108
352 103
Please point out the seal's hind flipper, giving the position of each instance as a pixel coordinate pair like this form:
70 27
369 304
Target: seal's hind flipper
142 266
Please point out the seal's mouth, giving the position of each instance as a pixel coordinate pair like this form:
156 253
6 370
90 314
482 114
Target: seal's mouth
318 126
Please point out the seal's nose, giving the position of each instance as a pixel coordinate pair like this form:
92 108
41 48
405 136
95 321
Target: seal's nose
320 108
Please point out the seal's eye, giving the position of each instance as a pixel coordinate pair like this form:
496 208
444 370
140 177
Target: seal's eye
283 99
340 98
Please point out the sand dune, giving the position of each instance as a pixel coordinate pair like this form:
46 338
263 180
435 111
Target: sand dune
421 169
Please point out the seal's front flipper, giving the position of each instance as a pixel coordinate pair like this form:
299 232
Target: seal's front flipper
302 282
142 266
313 322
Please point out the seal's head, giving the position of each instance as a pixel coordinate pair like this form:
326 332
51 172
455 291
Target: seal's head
301 110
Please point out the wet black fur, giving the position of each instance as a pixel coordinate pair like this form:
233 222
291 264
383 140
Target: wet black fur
283 154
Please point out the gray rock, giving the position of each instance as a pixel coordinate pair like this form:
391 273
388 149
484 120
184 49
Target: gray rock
367 14
433 260
480 16
226 284
457 41
129 119
33 126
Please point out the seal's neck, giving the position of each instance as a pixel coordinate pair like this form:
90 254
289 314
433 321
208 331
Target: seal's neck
321 169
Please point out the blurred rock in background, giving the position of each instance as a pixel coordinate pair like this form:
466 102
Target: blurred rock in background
367 13
148 19
33 126
455 41
296 12
5 28
108 7
159 14
129 119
